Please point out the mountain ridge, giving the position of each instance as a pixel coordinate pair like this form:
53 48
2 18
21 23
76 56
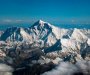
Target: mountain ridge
44 33
45 42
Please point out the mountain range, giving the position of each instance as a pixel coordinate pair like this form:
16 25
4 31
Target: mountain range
45 38
44 33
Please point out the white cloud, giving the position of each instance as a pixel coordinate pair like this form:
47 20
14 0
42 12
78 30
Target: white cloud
66 68
7 20
12 21
4 67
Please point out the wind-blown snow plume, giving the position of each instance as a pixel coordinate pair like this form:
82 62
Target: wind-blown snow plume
66 68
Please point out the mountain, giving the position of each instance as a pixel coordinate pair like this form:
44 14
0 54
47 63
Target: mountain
15 34
55 47
81 35
45 34
44 41
39 32
44 31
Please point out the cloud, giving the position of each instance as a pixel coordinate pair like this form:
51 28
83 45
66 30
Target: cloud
7 20
73 21
19 20
66 68
4 67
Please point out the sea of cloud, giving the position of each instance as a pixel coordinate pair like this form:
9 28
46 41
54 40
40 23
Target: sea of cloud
5 69
67 68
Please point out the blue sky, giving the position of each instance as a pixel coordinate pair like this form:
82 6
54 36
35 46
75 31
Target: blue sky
54 11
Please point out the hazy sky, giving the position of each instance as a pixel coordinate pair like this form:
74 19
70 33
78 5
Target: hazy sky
54 11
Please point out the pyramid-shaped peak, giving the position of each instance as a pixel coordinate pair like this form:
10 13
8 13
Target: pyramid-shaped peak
41 22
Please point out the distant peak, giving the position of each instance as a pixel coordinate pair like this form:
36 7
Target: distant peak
41 22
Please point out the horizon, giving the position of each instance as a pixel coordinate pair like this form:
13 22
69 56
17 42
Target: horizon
26 25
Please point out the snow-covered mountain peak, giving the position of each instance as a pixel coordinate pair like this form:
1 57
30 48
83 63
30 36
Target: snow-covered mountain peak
41 24
16 34
44 32
39 31
47 32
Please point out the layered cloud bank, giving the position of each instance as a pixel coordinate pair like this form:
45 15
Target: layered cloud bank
5 69
67 68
